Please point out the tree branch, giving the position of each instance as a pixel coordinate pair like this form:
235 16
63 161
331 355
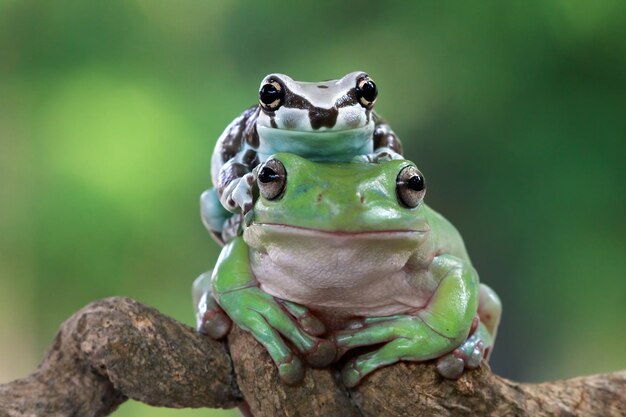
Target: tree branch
116 349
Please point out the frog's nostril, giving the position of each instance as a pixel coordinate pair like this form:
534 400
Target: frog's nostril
319 197
361 198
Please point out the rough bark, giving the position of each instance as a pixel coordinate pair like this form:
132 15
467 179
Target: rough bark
319 394
116 349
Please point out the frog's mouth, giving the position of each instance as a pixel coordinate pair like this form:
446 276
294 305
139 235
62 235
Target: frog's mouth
328 145
287 227
261 233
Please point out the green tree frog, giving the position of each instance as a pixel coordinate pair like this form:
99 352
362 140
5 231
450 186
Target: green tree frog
321 121
337 256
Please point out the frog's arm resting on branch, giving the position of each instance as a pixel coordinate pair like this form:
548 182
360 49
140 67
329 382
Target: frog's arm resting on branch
117 349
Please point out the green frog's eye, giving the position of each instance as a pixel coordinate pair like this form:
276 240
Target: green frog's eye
410 186
272 179
366 91
271 95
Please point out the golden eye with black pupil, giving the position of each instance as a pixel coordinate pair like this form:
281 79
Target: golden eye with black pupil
410 186
366 91
272 179
271 95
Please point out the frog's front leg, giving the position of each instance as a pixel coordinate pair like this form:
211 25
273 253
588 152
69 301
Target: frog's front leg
386 144
438 328
237 292
378 156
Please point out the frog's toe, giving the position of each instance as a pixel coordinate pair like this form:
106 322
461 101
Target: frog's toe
350 374
471 352
291 370
322 354
383 156
468 355
242 195
475 356
309 323
215 324
312 326
450 366
362 158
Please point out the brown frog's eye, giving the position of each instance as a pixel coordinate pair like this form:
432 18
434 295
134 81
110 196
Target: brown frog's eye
410 186
272 179
271 95
366 91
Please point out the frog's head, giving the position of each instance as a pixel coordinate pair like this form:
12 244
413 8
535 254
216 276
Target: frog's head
316 116
337 201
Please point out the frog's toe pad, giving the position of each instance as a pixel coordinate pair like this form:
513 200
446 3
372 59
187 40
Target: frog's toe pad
471 352
323 354
291 370
468 356
214 324
450 366
350 375
312 326
474 358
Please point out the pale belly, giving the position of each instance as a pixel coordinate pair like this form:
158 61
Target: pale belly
341 276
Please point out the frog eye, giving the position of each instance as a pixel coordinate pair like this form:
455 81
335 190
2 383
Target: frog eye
271 95
366 91
272 179
410 186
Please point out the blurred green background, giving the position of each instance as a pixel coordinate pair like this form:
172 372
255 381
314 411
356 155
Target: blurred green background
515 112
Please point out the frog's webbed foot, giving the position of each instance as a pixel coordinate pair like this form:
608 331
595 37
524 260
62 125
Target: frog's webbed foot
392 352
241 194
405 338
427 333
268 321
380 155
466 356
211 320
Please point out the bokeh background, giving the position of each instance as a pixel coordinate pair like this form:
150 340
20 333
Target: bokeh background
515 112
